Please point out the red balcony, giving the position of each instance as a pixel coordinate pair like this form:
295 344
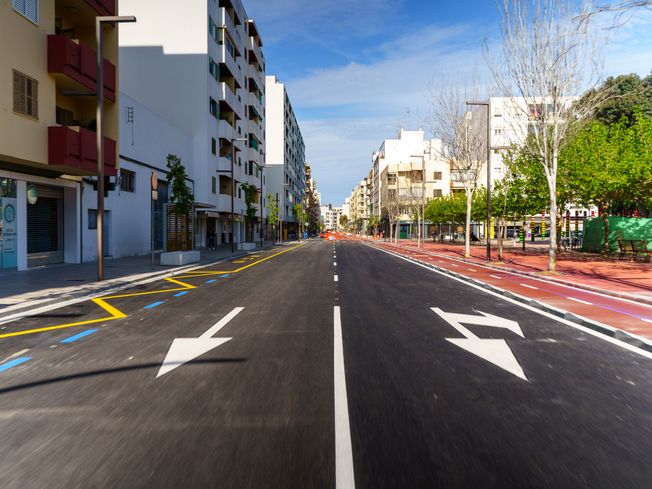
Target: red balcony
75 152
102 7
78 63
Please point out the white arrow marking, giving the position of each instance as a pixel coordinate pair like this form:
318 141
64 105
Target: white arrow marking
484 320
182 350
492 350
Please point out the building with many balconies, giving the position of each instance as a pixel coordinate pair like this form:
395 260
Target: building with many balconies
199 64
286 162
47 125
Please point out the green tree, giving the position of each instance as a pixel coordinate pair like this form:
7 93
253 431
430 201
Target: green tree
344 222
611 166
299 217
272 211
181 197
251 194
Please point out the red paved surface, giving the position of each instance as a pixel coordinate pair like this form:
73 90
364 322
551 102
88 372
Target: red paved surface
625 300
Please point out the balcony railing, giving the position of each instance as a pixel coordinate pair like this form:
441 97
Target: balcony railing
78 62
75 151
102 7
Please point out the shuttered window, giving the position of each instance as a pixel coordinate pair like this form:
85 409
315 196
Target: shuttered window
25 95
27 8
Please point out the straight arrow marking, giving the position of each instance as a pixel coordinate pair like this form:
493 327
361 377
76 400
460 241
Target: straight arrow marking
183 350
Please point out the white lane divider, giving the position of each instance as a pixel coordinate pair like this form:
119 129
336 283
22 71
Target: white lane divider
496 276
452 264
471 269
580 300
334 263
344 477
530 286
336 279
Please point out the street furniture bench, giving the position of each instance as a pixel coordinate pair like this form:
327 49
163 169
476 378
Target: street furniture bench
626 247
640 248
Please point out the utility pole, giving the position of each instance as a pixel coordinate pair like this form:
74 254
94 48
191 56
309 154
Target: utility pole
99 120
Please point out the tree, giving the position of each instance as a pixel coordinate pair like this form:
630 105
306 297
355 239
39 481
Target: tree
251 194
624 96
546 61
272 211
300 218
462 141
611 166
181 197
344 222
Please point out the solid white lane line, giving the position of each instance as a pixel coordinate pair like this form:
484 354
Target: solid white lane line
647 320
336 278
344 478
496 276
530 286
580 300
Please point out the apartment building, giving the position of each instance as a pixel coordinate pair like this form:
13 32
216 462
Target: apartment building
286 162
47 124
360 205
406 172
330 217
199 64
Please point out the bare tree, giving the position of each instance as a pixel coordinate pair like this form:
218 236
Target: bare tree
620 8
462 143
547 60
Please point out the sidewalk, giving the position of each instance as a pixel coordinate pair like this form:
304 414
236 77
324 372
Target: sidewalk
619 278
44 285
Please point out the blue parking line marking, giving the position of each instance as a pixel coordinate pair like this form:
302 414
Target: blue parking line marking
13 363
154 304
181 293
78 336
226 275
211 281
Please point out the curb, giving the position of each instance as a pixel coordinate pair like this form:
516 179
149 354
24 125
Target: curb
610 331
589 288
10 313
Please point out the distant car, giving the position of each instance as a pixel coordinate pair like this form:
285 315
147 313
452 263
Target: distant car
322 235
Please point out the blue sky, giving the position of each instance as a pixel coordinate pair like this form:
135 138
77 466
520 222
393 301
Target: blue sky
358 70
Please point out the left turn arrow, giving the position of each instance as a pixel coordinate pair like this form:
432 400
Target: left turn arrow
184 350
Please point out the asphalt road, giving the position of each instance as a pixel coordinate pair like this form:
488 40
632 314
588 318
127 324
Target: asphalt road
500 397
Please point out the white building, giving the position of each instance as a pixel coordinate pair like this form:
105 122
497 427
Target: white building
286 162
330 217
199 64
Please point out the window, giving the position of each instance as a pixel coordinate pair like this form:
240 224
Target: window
436 192
92 218
239 193
214 185
213 146
25 95
27 8
212 28
214 69
230 48
436 175
212 106
498 132
127 180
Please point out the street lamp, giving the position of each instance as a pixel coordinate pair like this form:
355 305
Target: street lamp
99 110
487 104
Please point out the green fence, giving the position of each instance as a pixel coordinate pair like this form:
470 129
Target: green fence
619 228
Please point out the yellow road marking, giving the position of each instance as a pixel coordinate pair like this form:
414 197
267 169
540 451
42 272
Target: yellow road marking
116 313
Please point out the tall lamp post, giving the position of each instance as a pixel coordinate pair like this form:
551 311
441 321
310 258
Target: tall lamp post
487 104
99 109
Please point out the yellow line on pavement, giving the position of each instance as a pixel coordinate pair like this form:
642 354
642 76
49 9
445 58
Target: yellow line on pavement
116 313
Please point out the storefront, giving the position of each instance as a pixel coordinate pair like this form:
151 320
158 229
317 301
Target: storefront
45 237
8 224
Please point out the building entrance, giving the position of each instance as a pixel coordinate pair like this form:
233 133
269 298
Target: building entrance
44 225
8 223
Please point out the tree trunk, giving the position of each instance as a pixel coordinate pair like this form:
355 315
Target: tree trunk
524 237
467 231
552 250
605 224
501 226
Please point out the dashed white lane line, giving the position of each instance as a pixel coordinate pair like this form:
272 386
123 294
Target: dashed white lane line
530 286
441 261
453 265
336 278
471 269
580 300
647 320
496 276
334 263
